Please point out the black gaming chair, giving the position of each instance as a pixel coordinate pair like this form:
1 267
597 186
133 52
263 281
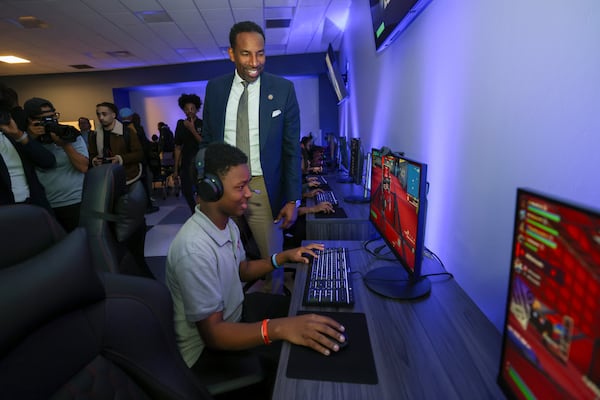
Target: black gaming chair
113 215
69 331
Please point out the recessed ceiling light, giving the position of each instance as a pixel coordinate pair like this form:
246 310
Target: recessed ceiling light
81 66
154 16
119 54
31 22
13 60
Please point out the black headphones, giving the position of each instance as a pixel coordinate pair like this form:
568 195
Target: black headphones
208 186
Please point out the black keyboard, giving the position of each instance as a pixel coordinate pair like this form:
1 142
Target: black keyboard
320 179
326 196
328 282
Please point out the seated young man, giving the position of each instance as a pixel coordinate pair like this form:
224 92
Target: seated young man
206 266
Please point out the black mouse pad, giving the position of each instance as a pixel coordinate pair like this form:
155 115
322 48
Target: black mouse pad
339 213
353 364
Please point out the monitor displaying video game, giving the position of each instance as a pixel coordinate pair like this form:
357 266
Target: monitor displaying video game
551 338
398 206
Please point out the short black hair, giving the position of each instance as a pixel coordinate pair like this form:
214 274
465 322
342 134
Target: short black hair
189 98
220 157
112 106
244 26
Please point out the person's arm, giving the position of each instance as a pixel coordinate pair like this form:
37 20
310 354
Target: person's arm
291 160
254 269
324 207
190 125
76 151
308 330
135 153
179 132
31 148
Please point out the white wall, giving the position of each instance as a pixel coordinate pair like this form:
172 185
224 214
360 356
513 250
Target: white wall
493 95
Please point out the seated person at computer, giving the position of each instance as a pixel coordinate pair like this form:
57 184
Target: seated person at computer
207 263
307 167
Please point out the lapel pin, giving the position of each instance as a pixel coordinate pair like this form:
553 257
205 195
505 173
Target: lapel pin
270 97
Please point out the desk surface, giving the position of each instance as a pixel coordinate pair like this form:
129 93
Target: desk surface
442 346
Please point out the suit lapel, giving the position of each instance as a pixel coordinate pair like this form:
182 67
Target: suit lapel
264 123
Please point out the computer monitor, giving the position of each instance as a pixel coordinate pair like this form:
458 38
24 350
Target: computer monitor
344 157
551 337
397 211
357 172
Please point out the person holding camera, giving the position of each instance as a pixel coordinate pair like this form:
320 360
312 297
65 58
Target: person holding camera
64 182
115 143
20 154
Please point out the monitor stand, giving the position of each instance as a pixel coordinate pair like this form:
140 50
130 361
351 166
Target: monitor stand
344 179
395 283
357 199
365 198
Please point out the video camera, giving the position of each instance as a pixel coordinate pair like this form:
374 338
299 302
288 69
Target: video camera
66 133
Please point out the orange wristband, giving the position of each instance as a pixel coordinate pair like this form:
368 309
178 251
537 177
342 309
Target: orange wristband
264 331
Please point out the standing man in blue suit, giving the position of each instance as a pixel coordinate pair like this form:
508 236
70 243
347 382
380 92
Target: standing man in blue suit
274 135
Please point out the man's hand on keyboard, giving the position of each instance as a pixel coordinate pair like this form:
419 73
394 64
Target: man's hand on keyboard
301 254
310 330
312 193
324 207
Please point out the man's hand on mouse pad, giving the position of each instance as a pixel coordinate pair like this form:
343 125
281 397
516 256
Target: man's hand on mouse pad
341 344
318 332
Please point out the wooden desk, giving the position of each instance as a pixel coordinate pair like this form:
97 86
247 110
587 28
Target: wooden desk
440 347
355 227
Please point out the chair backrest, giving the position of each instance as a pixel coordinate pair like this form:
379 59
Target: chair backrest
70 331
26 229
112 213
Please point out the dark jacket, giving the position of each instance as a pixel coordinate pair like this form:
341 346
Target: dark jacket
32 154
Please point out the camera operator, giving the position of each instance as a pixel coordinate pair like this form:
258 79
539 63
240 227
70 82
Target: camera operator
64 183
19 155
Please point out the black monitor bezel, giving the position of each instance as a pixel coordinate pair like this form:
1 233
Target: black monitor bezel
405 282
520 193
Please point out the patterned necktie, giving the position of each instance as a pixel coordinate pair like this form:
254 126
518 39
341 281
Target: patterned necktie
243 129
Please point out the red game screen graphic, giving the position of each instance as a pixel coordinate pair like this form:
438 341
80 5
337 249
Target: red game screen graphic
393 210
552 341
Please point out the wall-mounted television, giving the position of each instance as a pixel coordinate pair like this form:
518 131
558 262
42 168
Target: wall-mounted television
335 75
551 338
391 17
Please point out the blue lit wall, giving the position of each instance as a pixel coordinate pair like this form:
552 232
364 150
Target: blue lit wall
492 95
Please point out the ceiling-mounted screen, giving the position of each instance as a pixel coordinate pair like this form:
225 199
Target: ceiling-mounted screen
391 17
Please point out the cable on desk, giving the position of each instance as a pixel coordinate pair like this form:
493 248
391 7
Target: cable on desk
428 253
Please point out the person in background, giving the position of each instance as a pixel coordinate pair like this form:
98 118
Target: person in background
154 157
64 182
205 267
165 138
16 111
128 117
274 136
114 143
188 139
85 128
306 145
20 154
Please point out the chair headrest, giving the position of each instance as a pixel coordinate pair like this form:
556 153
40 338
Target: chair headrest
45 286
102 186
26 230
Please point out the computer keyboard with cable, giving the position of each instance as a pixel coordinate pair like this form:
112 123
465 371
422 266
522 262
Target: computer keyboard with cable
326 196
328 282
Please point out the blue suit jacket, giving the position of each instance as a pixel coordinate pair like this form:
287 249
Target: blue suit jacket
279 135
